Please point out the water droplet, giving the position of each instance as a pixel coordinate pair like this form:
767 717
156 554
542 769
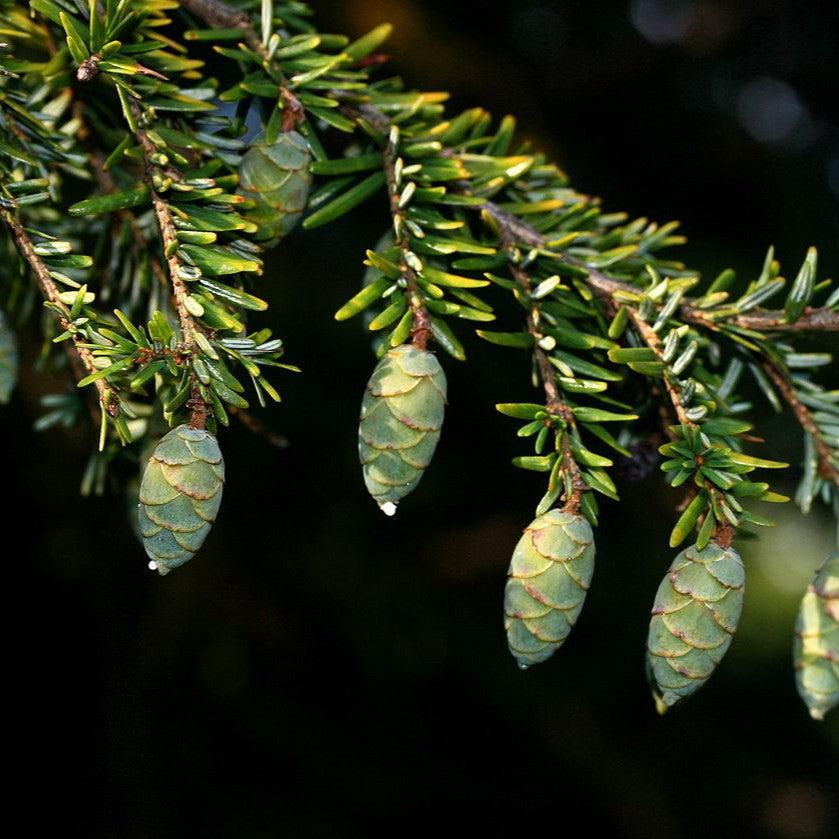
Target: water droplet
388 508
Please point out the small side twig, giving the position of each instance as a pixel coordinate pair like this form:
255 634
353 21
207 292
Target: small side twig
553 399
420 319
824 453
650 338
108 185
199 410
80 357
256 426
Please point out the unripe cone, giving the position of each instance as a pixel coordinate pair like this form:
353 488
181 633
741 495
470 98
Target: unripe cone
401 417
179 496
548 579
816 644
277 178
8 359
697 607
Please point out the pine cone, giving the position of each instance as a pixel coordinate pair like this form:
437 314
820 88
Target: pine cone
401 417
179 496
8 360
697 607
548 579
816 644
277 178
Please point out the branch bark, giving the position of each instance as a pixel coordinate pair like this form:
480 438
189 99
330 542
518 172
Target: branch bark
107 185
217 13
553 399
81 358
420 319
827 469
814 319
650 338
197 405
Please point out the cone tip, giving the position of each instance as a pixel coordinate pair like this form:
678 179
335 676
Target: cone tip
388 508
660 705
161 569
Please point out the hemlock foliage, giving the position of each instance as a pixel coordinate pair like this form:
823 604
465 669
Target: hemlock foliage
137 200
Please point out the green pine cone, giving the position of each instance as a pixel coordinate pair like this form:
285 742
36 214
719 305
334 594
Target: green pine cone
179 496
547 582
8 359
697 607
277 178
816 645
401 417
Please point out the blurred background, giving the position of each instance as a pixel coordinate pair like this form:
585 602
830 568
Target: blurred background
320 670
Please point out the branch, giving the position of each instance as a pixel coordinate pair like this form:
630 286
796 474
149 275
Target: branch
108 185
553 400
420 320
814 319
650 338
827 469
256 426
81 358
168 234
220 14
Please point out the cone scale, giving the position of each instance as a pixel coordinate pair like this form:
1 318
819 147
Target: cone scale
401 417
277 178
180 494
816 644
697 608
547 583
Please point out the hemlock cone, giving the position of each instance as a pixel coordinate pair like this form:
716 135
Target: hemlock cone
816 643
180 496
277 178
697 607
548 579
8 359
401 417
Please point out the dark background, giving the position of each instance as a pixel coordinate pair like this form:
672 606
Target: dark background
319 670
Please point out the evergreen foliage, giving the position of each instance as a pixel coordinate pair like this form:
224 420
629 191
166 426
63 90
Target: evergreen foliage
152 150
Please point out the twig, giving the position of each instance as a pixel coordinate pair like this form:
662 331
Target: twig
420 319
553 400
197 405
256 426
818 319
650 338
217 13
108 185
827 469
89 68
81 358
221 15
814 319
